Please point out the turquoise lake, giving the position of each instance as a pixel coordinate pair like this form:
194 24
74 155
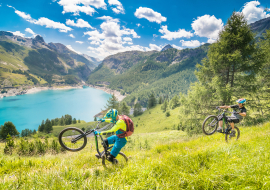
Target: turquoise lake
27 111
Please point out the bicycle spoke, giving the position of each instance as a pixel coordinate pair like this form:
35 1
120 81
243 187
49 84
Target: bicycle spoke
70 139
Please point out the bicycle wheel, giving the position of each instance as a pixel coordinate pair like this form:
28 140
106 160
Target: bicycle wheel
237 135
121 160
210 125
72 139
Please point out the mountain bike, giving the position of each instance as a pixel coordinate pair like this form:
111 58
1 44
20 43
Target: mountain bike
210 125
74 139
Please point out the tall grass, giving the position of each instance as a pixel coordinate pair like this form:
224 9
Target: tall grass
158 160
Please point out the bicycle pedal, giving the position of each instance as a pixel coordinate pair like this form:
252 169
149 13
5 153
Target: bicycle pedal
98 157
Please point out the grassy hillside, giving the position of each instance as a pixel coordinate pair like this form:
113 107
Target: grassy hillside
154 120
159 160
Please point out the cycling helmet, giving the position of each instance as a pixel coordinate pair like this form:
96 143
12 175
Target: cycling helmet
241 100
111 114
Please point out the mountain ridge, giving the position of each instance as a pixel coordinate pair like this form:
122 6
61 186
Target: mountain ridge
43 62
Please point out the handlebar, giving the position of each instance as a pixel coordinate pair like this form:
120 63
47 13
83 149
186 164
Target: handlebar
225 110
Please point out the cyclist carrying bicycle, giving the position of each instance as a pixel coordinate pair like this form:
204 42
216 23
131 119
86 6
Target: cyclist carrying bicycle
120 126
236 117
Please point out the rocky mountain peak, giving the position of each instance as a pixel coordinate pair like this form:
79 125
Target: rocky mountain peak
260 26
168 46
59 47
39 39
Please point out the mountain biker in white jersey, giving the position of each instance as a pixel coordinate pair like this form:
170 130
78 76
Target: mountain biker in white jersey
236 117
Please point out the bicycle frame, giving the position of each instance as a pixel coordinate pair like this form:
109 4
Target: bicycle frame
103 144
96 140
225 122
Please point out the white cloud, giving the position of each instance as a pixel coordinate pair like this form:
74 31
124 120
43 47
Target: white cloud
207 26
74 6
110 30
174 35
51 24
155 47
138 24
43 21
30 31
80 23
127 39
149 14
108 18
106 49
18 33
71 35
253 12
211 40
80 42
177 47
112 38
192 43
119 7
25 16
69 47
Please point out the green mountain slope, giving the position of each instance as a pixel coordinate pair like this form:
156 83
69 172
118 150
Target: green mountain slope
42 61
140 73
77 57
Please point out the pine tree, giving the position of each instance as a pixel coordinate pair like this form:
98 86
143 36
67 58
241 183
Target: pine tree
41 127
62 121
164 106
152 101
74 121
175 102
48 126
137 109
95 119
160 100
8 128
68 119
124 108
260 100
234 58
112 103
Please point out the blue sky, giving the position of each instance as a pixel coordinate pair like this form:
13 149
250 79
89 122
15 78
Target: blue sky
103 27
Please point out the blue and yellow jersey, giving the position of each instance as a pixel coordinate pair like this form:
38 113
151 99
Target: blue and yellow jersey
120 124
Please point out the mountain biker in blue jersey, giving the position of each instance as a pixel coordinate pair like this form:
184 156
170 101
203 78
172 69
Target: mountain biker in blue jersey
112 117
236 117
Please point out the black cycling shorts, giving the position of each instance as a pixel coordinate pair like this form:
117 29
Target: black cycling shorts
232 119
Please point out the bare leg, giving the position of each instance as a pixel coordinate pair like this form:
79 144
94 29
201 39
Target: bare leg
220 123
232 125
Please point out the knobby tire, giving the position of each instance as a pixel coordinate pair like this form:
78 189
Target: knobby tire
214 128
61 138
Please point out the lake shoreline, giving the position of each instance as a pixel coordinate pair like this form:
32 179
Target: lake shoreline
117 94
31 90
35 89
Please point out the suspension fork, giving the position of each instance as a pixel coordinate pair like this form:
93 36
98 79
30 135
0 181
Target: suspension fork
97 145
223 123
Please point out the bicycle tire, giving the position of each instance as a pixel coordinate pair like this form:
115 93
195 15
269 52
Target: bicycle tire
213 128
61 138
227 135
121 156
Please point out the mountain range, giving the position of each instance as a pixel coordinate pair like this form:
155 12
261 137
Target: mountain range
134 73
138 74
165 73
48 63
